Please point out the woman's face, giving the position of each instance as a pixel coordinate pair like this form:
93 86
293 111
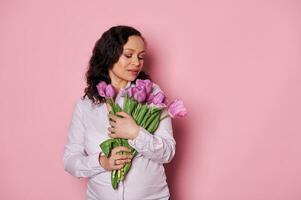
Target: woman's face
130 62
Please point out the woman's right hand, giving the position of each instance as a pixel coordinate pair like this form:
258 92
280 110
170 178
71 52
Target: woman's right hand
116 160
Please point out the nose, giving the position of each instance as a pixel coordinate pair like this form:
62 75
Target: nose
135 61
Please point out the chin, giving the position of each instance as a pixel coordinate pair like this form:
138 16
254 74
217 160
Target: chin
132 78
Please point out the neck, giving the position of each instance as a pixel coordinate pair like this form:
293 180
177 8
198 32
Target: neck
117 82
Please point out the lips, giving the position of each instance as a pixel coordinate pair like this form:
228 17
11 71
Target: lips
133 71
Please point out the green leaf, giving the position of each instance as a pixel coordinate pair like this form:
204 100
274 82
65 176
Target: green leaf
137 110
126 168
107 146
133 106
154 110
154 124
146 116
116 108
141 114
114 179
151 118
127 104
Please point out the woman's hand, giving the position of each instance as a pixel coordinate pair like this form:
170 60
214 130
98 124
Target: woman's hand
123 127
116 160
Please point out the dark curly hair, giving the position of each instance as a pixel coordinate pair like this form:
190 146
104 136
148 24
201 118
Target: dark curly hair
106 53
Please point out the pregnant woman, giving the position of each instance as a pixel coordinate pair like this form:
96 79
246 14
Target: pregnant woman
118 59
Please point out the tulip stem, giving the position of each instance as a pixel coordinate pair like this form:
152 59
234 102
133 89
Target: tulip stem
164 117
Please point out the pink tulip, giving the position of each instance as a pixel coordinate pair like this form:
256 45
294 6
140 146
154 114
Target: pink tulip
104 90
110 92
145 83
139 93
158 98
101 88
150 98
176 109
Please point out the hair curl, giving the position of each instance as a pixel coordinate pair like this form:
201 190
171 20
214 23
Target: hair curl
106 53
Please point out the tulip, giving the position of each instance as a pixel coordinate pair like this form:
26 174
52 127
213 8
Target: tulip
145 83
139 93
104 90
101 88
150 98
110 92
158 98
176 109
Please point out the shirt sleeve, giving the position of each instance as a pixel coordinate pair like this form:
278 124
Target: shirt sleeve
76 161
160 146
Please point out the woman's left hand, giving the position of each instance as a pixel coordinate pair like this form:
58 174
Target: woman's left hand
123 127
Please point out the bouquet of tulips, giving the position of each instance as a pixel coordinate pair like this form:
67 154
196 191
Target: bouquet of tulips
145 107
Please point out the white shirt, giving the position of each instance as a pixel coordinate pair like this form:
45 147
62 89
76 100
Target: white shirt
146 179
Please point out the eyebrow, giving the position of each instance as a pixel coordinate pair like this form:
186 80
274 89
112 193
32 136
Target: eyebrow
133 49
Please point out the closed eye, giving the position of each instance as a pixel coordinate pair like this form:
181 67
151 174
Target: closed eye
129 56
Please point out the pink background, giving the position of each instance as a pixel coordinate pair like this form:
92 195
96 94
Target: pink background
236 65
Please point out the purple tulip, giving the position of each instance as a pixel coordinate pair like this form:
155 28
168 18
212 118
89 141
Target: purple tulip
110 92
176 109
104 90
145 83
139 93
101 88
150 98
158 98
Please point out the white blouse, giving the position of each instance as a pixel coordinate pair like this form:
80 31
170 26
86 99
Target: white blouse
146 179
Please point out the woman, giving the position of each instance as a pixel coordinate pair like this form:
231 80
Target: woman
118 58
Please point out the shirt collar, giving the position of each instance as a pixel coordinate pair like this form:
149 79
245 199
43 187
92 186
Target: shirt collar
128 85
